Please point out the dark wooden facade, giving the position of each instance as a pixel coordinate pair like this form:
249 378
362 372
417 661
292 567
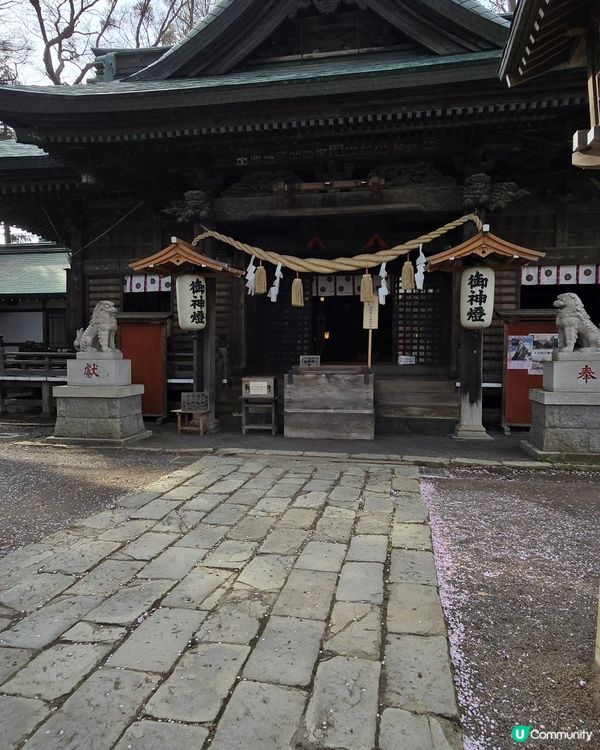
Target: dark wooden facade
282 121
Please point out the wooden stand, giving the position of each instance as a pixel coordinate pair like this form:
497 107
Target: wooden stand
192 421
194 415
265 405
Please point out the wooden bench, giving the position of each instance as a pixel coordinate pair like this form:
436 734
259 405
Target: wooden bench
194 413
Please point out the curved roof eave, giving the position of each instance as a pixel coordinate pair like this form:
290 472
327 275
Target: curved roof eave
20 104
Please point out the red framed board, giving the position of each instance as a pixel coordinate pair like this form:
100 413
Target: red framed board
529 336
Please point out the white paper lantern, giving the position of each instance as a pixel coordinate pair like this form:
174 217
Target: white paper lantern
477 297
191 302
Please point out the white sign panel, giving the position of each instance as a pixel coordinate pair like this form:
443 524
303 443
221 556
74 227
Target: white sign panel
191 302
371 315
477 297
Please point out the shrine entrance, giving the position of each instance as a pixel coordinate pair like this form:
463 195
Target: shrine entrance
338 333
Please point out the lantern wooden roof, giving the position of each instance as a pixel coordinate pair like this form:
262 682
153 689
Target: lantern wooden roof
497 253
180 257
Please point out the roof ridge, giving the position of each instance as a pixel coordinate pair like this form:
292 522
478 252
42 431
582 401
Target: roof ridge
217 10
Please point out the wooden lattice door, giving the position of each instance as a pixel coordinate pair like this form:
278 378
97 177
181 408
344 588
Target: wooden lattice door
423 320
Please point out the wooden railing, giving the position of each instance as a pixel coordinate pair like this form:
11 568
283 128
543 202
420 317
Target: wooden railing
34 365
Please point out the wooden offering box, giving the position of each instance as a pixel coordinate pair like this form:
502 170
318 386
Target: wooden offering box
329 402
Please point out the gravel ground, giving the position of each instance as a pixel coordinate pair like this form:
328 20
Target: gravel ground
519 570
44 489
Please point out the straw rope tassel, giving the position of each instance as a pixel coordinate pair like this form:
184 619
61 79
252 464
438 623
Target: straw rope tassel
297 292
367 293
408 275
260 280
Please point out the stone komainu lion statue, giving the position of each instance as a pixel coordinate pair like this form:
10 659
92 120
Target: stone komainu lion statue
574 324
99 336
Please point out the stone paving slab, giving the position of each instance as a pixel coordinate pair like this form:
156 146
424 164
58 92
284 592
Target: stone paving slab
307 593
260 716
42 627
130 602
97 713
265 573
284 541
35 590
368 548
236 619
56 671
418 676
415 608
361 582
155 735
93 632
18 717
322 556
342 712
157 643
412 566
200 683
173 563
411 536
107 578
11 660
280 602
196 587
355 630
286 652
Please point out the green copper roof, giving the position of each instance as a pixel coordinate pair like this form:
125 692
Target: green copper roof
26 272
281 73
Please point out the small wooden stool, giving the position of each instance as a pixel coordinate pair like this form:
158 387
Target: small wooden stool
194 413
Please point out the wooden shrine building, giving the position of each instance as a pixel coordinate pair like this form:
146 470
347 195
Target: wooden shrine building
320 128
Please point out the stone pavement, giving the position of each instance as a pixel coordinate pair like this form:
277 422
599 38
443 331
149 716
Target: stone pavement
242 603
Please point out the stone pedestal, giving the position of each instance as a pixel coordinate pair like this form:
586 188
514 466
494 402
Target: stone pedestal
99 404
566 412
470 365
99 368
470 426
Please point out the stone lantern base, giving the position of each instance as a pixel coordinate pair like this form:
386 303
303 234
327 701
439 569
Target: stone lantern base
566 412
99 405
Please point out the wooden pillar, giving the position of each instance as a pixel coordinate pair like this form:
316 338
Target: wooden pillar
209 350
197 363
76 312
470 374
470 367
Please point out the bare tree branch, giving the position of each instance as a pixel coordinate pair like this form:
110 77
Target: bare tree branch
69 29
501 6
